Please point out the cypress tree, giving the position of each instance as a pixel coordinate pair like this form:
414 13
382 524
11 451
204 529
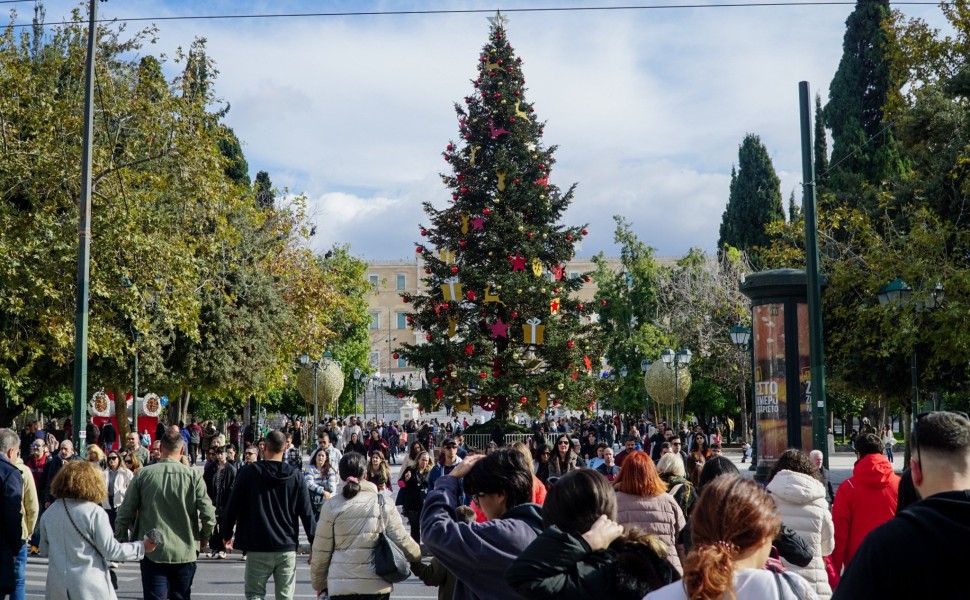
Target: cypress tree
864 150
754 200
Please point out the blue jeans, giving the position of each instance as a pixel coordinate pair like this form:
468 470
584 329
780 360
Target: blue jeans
160 581
889 453
20 572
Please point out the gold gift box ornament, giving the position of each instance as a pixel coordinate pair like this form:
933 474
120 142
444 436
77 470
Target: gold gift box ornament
451 289
532 331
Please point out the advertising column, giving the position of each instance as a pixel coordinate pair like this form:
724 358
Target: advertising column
770 385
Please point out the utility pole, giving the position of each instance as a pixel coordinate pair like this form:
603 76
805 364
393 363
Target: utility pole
816 394
84 237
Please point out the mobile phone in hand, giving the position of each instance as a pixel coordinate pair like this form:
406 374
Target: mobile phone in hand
155 536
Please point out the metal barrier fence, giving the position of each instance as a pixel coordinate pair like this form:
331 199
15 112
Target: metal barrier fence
481 440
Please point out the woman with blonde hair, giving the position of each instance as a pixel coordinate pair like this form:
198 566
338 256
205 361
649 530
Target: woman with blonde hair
642 501
96 456
732 528
672 472
77 539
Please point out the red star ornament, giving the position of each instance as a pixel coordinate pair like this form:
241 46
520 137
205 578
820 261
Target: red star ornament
554 306
500 329
478 223
518 263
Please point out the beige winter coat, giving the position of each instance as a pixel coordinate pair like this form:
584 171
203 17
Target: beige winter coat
347 566
659 515
801 502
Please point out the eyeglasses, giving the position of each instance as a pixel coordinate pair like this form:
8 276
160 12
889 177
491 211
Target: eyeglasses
915 438
562 443
476 498
112 458
129 462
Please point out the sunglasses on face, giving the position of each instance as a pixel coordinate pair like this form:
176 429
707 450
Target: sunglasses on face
112 458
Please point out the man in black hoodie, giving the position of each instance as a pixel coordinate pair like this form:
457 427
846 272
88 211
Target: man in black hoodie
268 501
921 551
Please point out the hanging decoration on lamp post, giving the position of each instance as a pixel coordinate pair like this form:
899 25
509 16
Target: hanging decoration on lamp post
320 383
667 387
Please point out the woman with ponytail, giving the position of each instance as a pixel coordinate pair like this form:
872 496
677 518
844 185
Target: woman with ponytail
350 522
733 525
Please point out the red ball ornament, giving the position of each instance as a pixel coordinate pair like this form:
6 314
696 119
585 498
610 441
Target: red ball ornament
463 189
427 271
496 95
485 211
424 232
515 180
518 60
450 147
404 299
419 249
474 84
396 356
530 110
468 136
518 93
470 295
555 290
444 306
515 315
570 344
467 100
529 235
586 232
454 196
603 303
586 279
523 399
496 373
483 375
555 402
400 394
435 380
454 269
499 62
428 337
463 243
579 307
409 318
469 349
569 238
511 119
541 167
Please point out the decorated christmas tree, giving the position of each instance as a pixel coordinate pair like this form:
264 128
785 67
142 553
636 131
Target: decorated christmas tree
499 321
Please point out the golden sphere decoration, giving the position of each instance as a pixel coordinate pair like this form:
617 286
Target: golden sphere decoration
330 383
659 381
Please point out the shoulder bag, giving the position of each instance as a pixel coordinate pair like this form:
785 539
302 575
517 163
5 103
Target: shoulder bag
781 591
111 572
390 564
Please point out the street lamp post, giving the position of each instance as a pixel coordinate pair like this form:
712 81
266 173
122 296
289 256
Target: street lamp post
357 377
644 367
682 357
305 360
741 337
898 293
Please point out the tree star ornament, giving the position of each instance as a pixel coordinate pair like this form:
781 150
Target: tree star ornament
500 329
554 306
499 21
518 263
478 223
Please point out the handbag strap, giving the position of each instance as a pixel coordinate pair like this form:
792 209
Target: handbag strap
380 510
78 530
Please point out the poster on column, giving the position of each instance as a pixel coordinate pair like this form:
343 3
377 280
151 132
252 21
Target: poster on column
770 401
804 378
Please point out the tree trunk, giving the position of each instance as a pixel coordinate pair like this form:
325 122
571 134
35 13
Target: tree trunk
121 416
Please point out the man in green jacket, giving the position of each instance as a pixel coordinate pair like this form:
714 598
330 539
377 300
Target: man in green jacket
170 498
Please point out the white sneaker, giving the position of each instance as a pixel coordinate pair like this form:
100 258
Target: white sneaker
221 554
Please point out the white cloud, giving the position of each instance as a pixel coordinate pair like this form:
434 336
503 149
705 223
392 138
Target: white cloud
648 106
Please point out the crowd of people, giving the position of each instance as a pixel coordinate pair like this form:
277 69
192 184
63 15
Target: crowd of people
667 516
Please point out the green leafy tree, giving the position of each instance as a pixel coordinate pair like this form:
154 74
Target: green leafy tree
265 197
754 200
627 300
503 228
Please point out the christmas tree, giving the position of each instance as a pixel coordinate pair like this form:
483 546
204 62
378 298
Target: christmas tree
502 326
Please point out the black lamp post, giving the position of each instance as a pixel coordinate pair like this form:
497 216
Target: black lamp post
676 359
898 293
741 338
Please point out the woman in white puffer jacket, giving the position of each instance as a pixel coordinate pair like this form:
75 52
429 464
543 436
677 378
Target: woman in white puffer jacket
343 548
796 486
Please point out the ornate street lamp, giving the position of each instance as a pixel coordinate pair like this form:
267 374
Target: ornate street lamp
741 338
676 359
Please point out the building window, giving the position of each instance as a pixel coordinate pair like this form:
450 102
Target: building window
375 320
402 282
402 320
374 360
574 274
374 280
402 363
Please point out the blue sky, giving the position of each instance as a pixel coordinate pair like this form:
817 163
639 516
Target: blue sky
648 107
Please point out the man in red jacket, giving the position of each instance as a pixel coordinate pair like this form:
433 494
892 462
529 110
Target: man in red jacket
864 501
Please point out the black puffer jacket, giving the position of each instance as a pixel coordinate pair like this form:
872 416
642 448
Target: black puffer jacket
561 566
